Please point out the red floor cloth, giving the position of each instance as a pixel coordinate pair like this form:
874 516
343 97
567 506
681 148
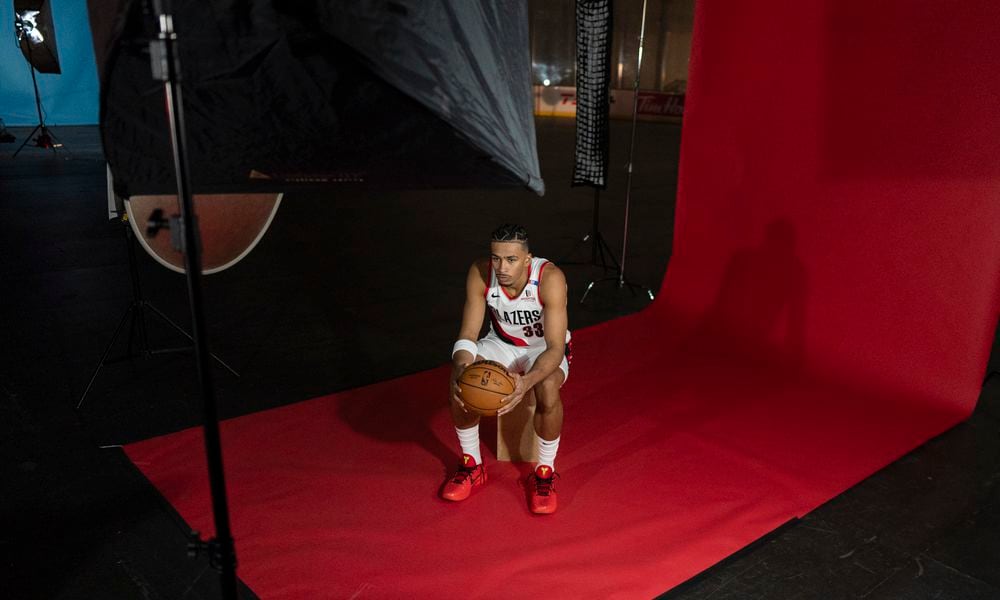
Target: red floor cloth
828 307
668 467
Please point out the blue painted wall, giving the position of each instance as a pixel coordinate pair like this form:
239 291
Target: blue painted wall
70 98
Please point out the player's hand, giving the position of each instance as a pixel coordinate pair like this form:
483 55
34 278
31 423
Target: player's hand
456 390
515 397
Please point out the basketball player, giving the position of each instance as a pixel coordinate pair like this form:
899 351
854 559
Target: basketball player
525 298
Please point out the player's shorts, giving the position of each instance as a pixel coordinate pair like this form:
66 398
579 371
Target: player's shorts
518 359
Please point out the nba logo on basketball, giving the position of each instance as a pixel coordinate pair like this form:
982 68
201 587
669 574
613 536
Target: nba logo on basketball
486 378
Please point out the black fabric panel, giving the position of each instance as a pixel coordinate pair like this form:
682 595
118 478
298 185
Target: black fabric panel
593 91
267 91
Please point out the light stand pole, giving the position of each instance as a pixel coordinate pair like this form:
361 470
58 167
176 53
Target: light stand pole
166 68
622 282
44 139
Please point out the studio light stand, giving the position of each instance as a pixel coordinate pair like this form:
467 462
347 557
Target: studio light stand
620 278
26 31
45 139
593 91
135 316
165 60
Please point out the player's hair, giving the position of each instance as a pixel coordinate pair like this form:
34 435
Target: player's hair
509 232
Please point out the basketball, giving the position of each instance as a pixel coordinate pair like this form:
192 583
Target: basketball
484 384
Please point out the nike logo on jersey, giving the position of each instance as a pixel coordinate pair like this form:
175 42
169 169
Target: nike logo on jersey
495 296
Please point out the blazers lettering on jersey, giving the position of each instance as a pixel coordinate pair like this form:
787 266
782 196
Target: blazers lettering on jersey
517 317
499 331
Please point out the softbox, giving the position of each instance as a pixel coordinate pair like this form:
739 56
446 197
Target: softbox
280 94
36 34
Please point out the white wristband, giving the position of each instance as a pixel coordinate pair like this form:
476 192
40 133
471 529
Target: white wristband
467 345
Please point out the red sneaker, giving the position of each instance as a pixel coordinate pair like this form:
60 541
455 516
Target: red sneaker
469 476
541 490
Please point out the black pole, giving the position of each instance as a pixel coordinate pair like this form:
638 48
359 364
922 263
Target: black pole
631 148
34 83
595 232
133 263
165 59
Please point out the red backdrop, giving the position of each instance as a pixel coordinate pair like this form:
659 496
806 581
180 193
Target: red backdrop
839 189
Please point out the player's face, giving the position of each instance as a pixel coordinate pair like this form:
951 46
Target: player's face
510 262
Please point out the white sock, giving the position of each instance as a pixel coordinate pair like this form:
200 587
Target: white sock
469 439
547 452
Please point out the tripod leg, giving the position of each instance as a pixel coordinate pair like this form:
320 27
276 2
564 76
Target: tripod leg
181 331
26 140
606 250
635 286
107 351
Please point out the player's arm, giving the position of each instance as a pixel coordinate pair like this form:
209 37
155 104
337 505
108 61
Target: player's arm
555 321
473 313
472 323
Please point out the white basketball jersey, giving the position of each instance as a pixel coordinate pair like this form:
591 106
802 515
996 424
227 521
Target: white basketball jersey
518 320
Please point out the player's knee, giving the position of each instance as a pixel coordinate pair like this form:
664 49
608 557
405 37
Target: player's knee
548 391
552 383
